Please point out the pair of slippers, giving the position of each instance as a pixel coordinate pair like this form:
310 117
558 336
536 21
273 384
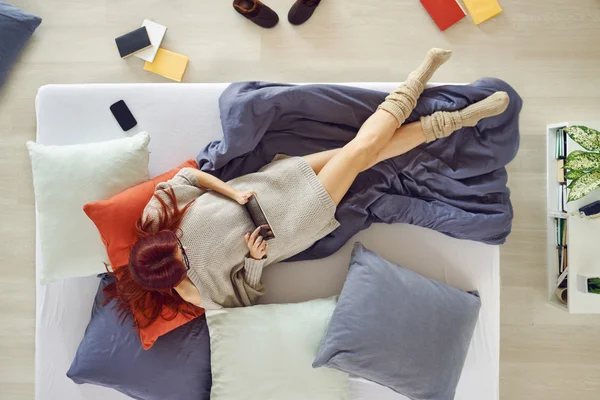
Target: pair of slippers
265 17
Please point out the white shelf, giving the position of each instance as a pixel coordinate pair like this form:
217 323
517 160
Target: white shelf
583 235
583 258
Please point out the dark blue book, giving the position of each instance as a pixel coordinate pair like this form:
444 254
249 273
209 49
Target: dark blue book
133 42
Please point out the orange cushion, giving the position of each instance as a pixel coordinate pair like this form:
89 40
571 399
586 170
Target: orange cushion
115 219
150 334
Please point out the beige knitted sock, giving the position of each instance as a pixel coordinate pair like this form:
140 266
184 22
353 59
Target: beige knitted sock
403 100
443 123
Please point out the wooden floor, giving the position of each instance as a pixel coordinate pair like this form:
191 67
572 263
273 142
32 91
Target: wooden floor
547 49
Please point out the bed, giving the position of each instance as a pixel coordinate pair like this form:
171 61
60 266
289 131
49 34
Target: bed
181 119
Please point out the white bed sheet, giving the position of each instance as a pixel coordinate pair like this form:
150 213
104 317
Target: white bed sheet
181 120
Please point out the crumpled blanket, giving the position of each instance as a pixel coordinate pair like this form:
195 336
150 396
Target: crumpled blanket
455 185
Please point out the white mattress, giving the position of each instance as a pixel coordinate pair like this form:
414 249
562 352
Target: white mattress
181 120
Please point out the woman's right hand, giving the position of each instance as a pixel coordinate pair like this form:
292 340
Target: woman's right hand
243 196
256 244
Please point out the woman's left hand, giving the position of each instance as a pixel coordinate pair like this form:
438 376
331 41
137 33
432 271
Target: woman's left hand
256 244
242 197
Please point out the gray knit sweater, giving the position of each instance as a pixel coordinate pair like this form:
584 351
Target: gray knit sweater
297 206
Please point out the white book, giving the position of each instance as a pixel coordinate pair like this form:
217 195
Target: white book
156 32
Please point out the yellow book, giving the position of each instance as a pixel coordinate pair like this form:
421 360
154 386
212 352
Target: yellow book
168 64
482 10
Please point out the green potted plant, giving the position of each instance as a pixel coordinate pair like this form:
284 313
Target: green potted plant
583 167
594 285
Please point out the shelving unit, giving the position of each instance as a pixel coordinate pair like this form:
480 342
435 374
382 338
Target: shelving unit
583 234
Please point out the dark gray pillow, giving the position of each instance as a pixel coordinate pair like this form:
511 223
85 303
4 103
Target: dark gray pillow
399 329
177 367
16 27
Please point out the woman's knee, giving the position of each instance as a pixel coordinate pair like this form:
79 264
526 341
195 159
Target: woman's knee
374 160
364 149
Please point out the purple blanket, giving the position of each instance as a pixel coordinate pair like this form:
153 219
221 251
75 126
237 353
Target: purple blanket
456 185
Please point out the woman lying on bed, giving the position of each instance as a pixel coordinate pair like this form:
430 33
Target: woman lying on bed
197 244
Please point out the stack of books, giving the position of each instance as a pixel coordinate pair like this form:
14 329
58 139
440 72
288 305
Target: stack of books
561 243
561 248
446 13
145 43
560 154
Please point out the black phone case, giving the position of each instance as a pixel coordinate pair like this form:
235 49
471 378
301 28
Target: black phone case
123 116
259 218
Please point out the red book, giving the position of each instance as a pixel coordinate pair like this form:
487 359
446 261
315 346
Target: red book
444 13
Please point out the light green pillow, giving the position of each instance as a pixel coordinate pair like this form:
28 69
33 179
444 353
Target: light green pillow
65 178
266 352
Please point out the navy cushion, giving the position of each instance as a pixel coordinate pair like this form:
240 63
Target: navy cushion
16 27
177 366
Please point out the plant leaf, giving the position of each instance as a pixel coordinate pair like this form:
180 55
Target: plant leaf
586 137
582 161
574 175
572 184
584 185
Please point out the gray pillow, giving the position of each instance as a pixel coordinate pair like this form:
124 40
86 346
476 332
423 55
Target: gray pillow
399 329
16 27
177 367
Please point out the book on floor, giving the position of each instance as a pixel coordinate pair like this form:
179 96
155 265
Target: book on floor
133 42
168 64
444 13
156 32
482 10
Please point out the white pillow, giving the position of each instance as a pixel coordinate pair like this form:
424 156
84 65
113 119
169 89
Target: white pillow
266 352
67 177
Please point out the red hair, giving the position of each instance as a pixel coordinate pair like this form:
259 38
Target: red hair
145 287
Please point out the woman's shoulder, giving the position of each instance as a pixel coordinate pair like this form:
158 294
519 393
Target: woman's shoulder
185 177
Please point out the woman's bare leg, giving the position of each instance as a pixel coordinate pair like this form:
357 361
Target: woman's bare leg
405 138
338 168
318 160
337 175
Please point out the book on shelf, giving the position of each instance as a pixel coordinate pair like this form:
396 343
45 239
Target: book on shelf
561 144
561 247
561 231
563 197
561 244
561 171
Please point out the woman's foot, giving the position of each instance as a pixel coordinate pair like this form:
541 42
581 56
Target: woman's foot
443 123
434 59
403 100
